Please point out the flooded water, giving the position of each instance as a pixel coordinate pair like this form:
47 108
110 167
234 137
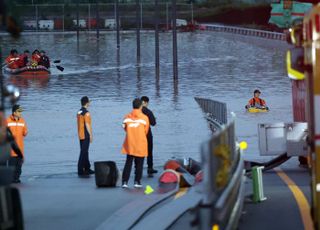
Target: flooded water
212 65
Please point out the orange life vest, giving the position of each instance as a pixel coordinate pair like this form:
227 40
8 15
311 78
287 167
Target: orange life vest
257 101
13 62
19 131
83 117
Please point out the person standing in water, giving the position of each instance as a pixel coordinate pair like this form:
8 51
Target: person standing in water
256 101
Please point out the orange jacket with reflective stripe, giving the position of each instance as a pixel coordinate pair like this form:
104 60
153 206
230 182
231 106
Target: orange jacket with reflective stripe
19 131
83 117
13 62
257 101
136 125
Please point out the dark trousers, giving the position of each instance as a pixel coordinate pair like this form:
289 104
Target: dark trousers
83 163
138 164
16 163
150 152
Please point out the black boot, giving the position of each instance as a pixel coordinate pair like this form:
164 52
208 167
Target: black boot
152 171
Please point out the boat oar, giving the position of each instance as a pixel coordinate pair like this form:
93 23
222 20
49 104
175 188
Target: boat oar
59 67
56 61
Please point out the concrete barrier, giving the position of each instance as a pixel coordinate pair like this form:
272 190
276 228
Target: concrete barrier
243 31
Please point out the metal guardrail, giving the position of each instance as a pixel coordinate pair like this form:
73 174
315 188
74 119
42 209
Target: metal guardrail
244 31
223 180
215 112
223 184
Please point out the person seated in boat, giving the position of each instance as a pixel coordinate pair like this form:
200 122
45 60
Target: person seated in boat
44 59
256 101
35 58
13 60
25 58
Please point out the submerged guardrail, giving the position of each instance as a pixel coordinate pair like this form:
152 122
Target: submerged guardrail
215 112
244 31
223 181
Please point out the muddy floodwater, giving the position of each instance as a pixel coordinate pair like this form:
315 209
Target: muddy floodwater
219 66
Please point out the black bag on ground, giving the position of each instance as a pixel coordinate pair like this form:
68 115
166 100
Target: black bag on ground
106 173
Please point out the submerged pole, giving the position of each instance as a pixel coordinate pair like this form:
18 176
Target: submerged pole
37 20
167 16
138 29
89 16
117 23
192 13
156 24
97 18
174 39
78 20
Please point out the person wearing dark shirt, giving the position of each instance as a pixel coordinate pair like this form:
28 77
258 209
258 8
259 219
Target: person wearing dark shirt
44 60
152 121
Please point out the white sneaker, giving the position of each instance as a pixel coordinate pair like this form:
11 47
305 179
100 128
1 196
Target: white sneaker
137 184
125 185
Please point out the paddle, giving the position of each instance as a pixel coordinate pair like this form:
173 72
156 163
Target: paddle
56 61
58 67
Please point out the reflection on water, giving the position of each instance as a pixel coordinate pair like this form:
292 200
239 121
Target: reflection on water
213 65
29 81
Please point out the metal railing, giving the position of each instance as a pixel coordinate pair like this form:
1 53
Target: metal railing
223 181
215 112
244 31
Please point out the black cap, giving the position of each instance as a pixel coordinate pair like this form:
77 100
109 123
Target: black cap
16 108
42 51
84 100
145 99
256 91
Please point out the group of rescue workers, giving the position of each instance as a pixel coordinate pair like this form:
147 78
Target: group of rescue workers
17 61
138 143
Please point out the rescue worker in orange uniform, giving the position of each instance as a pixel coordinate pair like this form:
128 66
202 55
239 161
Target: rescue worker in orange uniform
256 101
85 137
135 145
13 60
19 130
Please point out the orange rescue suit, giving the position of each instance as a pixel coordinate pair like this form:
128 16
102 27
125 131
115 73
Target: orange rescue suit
257 101
19 131
136 125
13 62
